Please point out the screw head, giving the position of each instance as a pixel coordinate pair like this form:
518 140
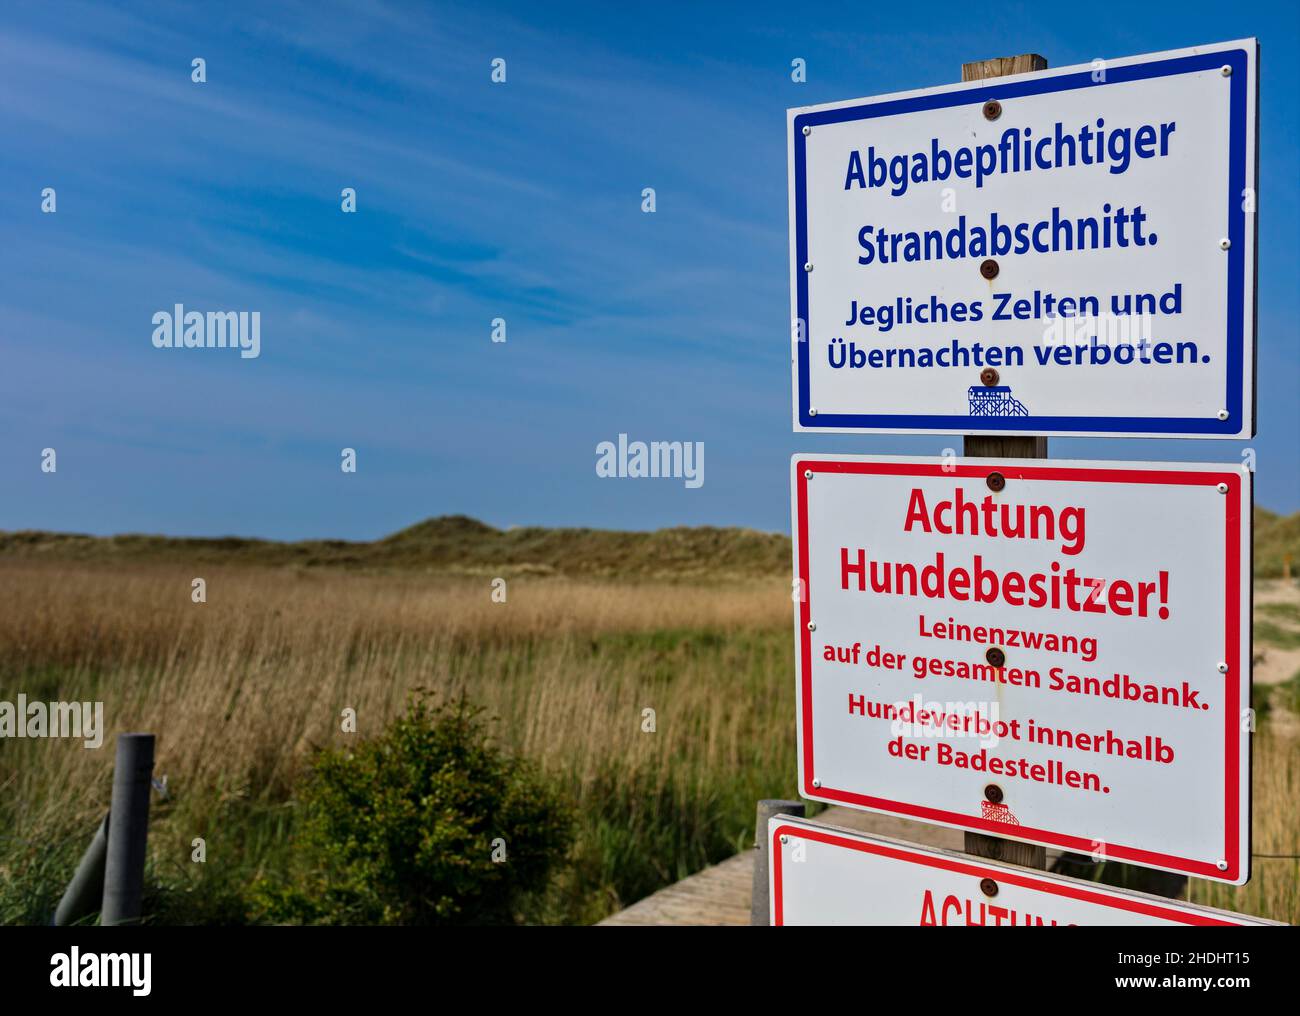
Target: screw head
992 109
1222 488
812 625
989 268
817 784
1222 414
1223 668
807 474
996 656
807 266
996 481
989 377
807 130
1225 243
988 887
811 411
1226 71
784 838
1222 865
994 793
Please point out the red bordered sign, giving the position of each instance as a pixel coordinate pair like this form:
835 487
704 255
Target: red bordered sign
821 875
1055 653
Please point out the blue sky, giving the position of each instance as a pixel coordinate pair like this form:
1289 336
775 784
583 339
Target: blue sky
478 201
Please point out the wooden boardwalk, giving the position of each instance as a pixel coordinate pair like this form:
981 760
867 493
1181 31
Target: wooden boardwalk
714 896
720 895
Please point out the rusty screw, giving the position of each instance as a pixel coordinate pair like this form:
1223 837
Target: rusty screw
996 657
989 377
989 268
994 793
988 887
996 481
992 109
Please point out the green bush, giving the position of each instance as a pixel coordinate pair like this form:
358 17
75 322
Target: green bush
409 829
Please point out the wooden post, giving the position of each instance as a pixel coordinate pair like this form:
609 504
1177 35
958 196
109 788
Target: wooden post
998 446
760 896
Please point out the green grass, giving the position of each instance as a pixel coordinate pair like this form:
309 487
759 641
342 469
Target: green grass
1268 633
641 824
1287 694
567 690
1276 537
1283 611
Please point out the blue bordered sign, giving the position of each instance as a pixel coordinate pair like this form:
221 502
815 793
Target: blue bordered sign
1064 252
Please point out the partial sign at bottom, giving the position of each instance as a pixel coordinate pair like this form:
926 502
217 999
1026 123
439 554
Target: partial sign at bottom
821 875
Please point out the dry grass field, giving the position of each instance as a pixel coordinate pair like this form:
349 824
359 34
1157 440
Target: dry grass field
242 688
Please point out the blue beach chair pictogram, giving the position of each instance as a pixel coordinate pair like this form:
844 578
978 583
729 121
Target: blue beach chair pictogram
994 401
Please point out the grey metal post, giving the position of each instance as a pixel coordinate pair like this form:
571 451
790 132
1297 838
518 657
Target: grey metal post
128 831
85 893
759 913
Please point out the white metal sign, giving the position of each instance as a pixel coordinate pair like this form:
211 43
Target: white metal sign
1070 251
820 875
1056 652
